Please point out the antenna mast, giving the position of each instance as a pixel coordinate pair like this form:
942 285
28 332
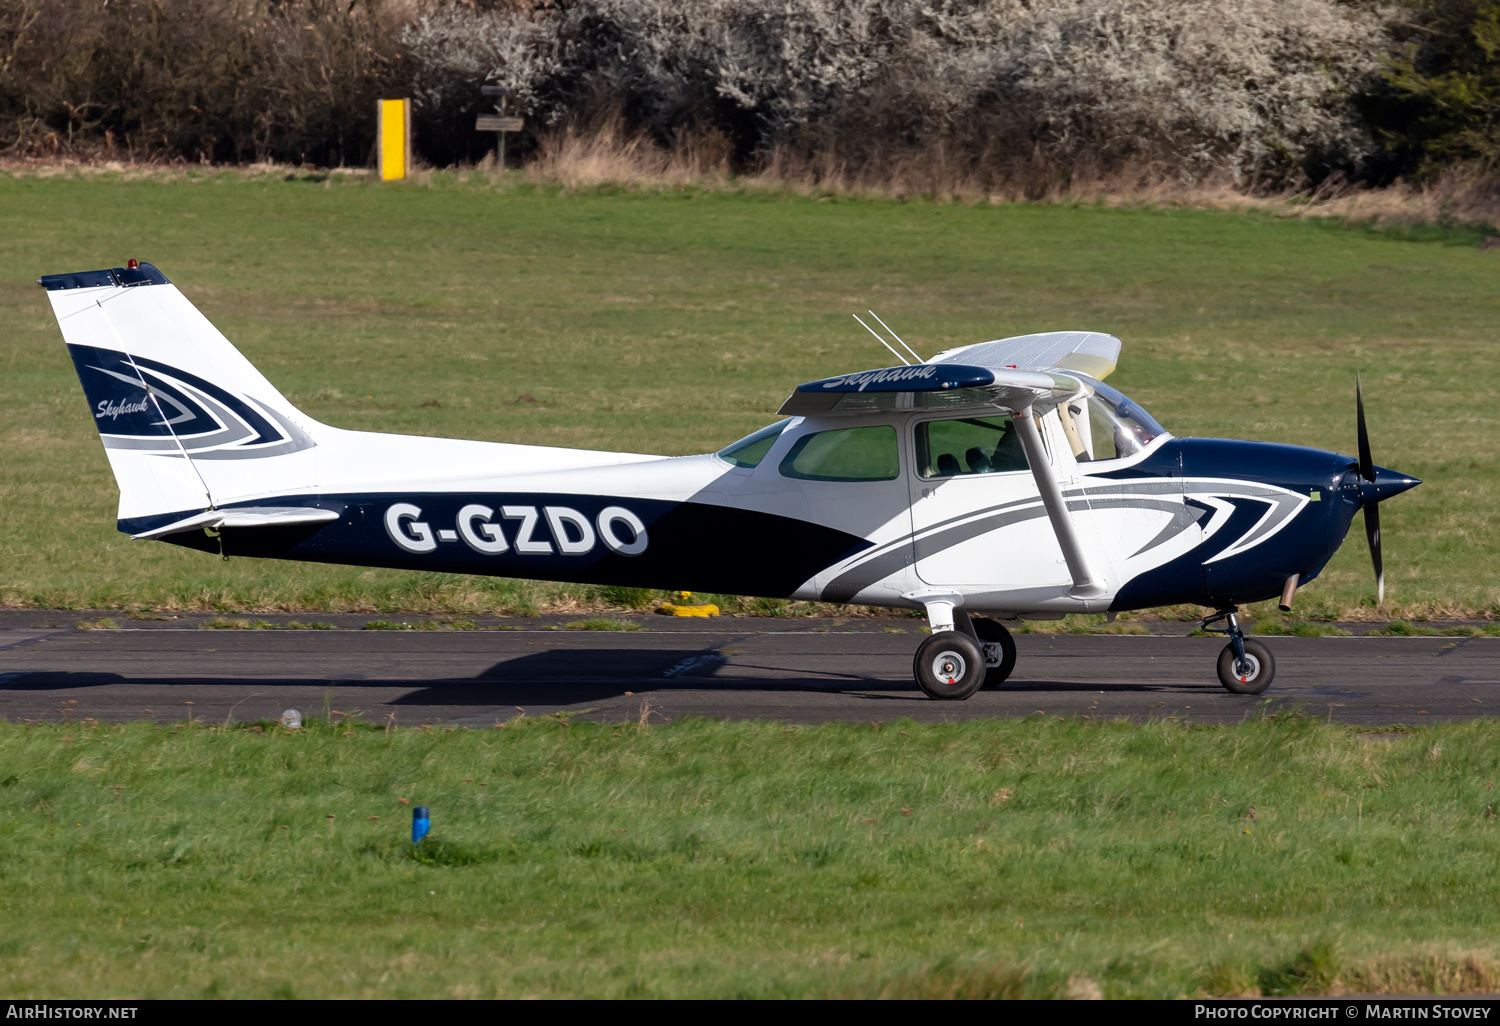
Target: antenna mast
882 341
895 336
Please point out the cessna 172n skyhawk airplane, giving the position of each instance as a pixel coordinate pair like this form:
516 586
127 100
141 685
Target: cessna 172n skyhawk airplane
1003 478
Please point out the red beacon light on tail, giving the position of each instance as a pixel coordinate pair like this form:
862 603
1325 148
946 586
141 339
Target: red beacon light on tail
132 263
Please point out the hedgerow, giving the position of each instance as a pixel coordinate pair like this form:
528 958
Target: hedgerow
1258 93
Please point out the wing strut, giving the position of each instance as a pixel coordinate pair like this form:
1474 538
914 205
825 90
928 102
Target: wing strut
1085 586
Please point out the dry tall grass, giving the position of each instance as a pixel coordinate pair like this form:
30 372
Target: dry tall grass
608 153
1430 972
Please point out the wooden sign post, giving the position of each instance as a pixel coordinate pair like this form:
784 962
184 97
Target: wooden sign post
498 122
393 138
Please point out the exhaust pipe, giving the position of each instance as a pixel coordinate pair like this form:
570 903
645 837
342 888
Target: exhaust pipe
1288 590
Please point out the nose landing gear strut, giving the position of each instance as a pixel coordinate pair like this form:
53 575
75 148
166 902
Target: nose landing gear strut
1245 667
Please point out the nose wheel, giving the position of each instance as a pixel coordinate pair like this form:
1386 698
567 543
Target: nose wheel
1245 667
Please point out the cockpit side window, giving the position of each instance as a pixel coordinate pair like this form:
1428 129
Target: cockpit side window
967 446
846 454
1105 424
750 450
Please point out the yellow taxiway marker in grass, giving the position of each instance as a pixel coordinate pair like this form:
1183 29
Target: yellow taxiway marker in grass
681 607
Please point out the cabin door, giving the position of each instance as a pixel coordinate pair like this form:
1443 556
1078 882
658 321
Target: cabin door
976 513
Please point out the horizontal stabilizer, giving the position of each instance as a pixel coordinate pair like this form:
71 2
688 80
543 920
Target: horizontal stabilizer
244 516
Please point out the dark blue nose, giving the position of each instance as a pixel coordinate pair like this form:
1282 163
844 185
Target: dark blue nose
1386 484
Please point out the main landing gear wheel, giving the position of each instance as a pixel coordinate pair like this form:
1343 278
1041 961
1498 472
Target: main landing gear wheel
1253 675
993 633
949 666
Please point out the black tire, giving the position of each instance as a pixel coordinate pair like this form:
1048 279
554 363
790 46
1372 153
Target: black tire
991 631
949 666
1262 669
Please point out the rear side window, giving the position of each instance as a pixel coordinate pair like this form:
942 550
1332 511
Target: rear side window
848 454
971 445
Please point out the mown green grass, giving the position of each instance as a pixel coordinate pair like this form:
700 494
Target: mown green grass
698 858
674 322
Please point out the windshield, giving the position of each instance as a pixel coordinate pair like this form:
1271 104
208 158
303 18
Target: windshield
750 450
1105 424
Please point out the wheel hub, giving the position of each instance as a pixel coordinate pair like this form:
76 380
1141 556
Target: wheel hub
949 666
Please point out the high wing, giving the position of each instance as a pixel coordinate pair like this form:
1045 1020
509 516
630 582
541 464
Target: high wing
928 386
1009 374
1088 352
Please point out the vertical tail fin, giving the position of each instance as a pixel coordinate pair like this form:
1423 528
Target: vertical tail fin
187 422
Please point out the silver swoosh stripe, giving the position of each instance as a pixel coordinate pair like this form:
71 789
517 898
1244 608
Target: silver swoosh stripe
229 430
1283 506
183 413
233 430
899 554
890 558
1183 517
217 444
297 440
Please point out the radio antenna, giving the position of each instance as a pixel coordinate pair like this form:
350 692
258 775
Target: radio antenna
151 393
882 341
895 336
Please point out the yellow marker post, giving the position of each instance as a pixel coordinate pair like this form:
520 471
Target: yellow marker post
393 142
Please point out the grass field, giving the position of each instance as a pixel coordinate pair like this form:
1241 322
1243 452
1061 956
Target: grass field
1003 858
676 321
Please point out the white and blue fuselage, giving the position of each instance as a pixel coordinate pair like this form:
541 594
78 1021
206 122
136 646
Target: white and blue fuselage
973 481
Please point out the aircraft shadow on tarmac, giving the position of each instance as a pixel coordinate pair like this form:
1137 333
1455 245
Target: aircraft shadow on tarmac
587 675
593 675
597 674
63 680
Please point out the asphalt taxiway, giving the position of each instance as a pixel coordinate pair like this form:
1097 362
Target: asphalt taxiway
804 671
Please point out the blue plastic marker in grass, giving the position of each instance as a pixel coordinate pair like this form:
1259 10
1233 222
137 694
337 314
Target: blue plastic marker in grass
420 823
